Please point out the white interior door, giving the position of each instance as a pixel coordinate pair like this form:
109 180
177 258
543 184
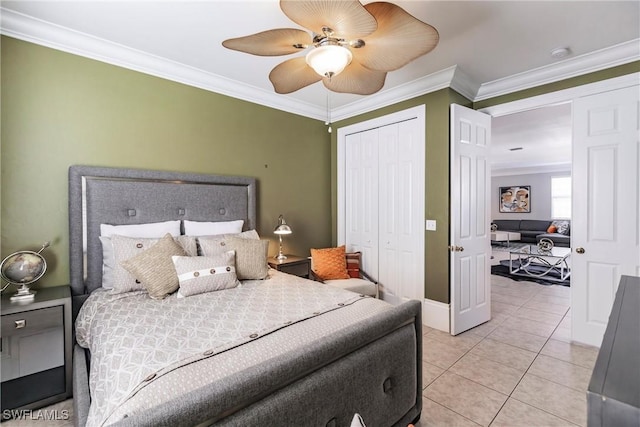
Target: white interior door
470 276
606 206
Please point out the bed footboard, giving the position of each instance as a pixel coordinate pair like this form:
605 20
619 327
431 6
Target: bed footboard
373 368
81 395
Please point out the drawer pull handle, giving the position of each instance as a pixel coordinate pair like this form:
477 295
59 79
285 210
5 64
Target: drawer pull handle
21 324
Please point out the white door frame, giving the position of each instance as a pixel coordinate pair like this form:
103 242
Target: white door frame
418 112
562 96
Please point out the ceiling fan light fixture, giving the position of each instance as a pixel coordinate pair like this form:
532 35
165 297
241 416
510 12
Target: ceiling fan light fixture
329 60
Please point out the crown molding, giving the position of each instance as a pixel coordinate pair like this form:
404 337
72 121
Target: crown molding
620 54
464 85
27 28
432 82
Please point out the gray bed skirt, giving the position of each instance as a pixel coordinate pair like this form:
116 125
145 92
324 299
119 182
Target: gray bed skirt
373 368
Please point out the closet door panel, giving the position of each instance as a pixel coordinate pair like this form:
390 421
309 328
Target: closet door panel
410 202
362 198
389 226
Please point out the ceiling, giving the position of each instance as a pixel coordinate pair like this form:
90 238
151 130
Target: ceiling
486 49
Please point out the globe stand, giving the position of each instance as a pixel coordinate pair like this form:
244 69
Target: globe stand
23 294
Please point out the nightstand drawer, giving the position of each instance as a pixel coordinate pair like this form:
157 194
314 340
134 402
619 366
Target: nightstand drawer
31 321
301 270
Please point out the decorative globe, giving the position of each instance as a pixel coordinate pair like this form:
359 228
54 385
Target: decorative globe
23 267
545 245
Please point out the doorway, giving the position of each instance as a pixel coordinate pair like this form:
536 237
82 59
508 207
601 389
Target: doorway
605 156
531 150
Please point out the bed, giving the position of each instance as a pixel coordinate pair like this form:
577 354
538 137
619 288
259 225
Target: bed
304 354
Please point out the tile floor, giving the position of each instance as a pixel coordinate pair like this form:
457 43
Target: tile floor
518 369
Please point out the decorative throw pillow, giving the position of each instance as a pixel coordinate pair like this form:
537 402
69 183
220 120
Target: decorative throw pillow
149 230
205 228
116 249
552 229
251 257
215 245
200 274
330 263
154 267
562 226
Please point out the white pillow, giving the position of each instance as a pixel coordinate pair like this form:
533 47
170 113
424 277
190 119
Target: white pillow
200 228
149 230
199 274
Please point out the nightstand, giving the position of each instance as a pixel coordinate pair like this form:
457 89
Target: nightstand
295 265
36 349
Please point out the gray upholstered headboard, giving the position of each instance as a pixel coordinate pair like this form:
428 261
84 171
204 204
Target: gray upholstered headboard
99 195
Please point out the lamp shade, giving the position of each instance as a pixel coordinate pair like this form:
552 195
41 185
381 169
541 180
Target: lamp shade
329 60
282 227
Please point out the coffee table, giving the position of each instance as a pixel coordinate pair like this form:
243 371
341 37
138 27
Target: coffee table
504 236
534 262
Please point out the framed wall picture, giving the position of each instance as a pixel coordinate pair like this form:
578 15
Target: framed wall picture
515 199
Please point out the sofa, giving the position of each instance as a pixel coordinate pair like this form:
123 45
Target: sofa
532 230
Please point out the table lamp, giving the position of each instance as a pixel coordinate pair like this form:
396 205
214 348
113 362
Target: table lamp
281 229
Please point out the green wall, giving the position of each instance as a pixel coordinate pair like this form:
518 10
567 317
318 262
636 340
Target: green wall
60 109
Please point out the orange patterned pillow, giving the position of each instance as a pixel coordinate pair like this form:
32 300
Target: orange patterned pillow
329 263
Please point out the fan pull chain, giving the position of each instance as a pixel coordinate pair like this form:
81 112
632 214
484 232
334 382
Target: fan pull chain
328 122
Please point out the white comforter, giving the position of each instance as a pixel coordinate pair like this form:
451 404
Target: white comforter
136 341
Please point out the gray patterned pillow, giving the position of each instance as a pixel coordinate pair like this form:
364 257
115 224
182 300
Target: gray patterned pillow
562 227
116 249
216 245
202 274
154 268
251 257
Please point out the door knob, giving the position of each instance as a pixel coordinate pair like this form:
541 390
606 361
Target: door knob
580 250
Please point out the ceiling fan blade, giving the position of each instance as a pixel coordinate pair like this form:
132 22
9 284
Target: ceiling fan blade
347 18
356 79
292 74
282 41
399 39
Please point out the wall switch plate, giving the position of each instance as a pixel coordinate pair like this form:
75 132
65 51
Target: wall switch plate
431 225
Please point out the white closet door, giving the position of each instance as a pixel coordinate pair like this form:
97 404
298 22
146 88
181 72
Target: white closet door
401 182
381 182
362 198
606 207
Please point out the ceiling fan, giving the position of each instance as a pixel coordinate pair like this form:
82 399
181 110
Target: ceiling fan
352 47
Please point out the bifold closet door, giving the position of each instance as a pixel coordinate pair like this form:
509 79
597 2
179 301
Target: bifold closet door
385 206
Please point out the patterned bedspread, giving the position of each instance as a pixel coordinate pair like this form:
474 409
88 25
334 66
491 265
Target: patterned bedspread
143 350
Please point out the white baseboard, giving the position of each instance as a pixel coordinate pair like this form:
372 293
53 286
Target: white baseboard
435 314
